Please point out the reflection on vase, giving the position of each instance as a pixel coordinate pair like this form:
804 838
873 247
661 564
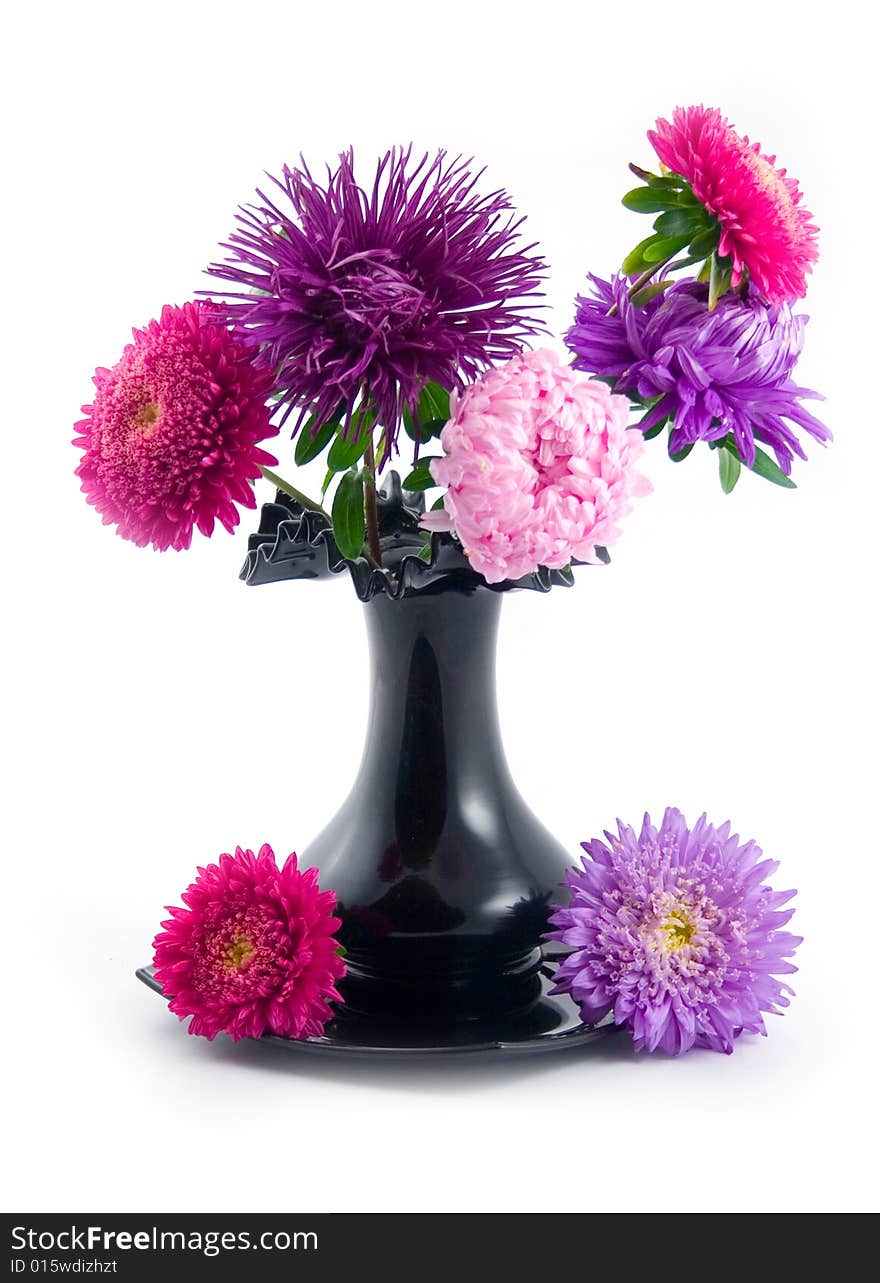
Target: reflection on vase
420 811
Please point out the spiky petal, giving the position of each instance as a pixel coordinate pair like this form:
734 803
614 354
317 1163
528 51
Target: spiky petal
170 442
676 932
764 228
358 295
253 951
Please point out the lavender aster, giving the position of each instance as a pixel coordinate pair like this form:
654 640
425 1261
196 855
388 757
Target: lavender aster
364 296
728 371
677 933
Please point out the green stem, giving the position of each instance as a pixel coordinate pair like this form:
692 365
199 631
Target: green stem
371 510
286 488
642 280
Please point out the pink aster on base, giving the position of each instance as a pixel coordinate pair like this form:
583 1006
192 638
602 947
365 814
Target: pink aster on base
253 951
539 467
764 228
170 441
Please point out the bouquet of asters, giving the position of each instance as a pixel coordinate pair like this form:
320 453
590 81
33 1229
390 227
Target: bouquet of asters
398 319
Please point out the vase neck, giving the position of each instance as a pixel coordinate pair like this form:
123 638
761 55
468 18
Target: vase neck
434 717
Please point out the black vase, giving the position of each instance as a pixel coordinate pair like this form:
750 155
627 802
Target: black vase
444 876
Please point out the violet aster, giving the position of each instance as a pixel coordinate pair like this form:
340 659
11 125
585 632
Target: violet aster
253 951
364 295
728 371
676 932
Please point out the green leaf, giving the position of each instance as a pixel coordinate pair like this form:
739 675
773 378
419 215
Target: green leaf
644 174
420 432
688 261
768 468
644 200
420 478
433 403
679 222
349 524
647 292
656 430
432 414
719 281
635 261
312 439
345 451
764 465
663 247
704 243
729 468
679 455
670 181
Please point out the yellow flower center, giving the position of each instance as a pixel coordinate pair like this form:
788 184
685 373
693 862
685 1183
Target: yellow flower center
678 928
240 951
769 178
146 418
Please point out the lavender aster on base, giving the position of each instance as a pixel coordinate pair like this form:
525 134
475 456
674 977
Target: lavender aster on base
364 295
716 373
676 931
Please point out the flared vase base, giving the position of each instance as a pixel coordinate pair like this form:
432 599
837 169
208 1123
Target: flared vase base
552 1023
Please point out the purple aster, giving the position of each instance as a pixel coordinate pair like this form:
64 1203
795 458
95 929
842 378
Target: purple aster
359 296
677 933
719 372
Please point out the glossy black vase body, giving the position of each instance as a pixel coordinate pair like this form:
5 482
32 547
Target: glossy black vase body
444 876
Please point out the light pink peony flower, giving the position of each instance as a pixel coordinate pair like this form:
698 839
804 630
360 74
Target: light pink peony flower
764 227
539 465
253 952
170 442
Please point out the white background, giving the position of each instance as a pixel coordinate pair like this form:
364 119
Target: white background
157 712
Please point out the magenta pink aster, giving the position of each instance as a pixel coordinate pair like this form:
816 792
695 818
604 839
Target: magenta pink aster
539 465
764 228
253 951
676 932
170 442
